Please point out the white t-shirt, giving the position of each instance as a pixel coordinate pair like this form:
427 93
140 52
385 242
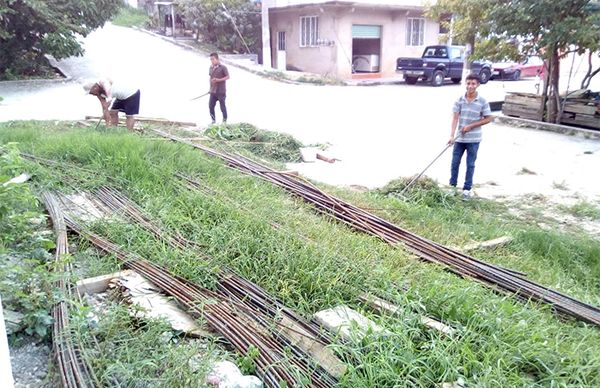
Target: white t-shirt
119 89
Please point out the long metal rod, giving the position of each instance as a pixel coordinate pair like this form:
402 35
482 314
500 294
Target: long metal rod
457 262
239 323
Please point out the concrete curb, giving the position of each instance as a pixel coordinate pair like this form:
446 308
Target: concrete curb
262 73
268 74
556 128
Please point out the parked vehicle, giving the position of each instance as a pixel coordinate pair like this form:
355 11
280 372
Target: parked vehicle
529 67
438 63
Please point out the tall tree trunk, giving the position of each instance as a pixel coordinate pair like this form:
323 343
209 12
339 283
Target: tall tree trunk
468 58
585 83
547 70
554 98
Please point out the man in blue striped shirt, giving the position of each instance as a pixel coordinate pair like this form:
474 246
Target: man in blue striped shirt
470 112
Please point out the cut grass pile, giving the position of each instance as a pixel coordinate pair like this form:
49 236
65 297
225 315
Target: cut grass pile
264 144
311 263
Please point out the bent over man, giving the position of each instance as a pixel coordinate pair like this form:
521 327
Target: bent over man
115 97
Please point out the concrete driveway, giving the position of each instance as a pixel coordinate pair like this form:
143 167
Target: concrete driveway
378 132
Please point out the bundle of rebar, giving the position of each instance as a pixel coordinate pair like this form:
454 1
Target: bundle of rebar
243 326
504 279
230 283
73 369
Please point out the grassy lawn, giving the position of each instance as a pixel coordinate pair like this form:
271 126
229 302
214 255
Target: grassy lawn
311 263
131 17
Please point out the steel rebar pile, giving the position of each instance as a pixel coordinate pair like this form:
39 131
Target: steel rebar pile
73 369
457 262
118 203
241 326
230 286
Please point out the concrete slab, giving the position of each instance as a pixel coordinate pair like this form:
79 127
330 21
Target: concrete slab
347 323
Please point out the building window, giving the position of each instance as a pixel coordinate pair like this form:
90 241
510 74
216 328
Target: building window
309 31
281 41
415 32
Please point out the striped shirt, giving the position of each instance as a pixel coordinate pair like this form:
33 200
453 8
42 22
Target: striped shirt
469 112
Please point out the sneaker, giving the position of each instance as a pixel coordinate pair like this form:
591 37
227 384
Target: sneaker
466 194
452 190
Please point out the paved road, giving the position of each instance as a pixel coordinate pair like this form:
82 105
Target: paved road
379 132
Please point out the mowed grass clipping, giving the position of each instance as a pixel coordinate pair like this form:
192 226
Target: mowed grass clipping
311 262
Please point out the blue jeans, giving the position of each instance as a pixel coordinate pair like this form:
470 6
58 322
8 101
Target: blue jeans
457 153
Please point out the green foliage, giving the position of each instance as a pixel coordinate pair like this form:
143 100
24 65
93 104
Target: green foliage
130 352
541 24
25 279
247 363
212 24
470 20
29 29
265 144
131 17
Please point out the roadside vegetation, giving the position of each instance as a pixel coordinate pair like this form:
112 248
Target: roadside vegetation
131 17
311 263
30 30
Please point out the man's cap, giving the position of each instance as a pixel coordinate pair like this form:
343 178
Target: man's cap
87 87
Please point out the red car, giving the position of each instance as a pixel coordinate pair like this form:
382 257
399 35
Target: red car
529 67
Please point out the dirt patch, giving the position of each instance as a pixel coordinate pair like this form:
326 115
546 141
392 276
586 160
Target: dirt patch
30 360
551 212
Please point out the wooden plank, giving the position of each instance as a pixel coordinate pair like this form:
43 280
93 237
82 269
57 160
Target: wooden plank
151 120
520 111
582 120
497 242
580 108
301 338
523 100
522 114
97 284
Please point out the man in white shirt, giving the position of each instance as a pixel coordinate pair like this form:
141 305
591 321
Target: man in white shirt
116 97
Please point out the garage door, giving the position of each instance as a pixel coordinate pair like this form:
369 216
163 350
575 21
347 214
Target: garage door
364 31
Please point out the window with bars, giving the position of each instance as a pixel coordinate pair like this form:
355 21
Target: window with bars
415 32
281 41
309 31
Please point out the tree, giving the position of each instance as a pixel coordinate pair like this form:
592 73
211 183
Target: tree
594 9
29 29
552 28
216 22
467 21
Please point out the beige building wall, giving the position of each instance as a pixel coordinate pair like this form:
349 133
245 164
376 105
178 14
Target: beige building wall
321 59
335 26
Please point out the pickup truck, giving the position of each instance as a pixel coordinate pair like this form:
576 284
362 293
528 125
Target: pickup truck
438 63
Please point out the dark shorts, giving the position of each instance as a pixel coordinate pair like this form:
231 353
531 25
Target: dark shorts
130 105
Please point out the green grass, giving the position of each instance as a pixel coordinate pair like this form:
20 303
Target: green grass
311 262
583 209
131 17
